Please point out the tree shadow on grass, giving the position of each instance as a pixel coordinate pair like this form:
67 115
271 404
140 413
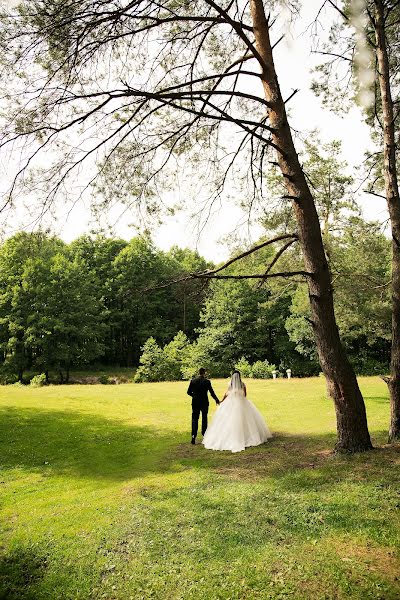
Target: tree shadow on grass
84 445
300 461
20 571
60 442
378 399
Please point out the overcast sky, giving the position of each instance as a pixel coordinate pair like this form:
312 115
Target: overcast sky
294 63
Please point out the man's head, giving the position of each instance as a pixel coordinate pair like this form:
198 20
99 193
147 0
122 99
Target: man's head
202 372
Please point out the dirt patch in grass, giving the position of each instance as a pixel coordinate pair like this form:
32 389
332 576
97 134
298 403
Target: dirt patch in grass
383 561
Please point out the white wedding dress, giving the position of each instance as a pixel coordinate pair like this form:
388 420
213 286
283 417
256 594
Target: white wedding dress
237 423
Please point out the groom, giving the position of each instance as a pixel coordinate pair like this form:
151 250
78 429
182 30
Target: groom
198 390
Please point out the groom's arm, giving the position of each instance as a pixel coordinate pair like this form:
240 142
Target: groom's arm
213 394
190 389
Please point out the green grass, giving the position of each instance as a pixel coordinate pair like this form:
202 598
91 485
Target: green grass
102 496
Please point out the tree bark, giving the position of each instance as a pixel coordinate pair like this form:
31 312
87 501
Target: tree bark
393 202
352 428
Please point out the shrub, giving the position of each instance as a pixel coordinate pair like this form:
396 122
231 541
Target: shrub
174 354
244 367
261 369
8 374
38 380
150 362
162 364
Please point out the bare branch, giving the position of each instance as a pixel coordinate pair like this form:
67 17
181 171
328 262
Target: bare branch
284 274
345 17
292 236
277 257
341 56
375 194
291 96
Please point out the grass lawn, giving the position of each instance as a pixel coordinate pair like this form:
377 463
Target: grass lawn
102 496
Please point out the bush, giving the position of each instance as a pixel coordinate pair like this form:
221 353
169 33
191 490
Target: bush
38 380
8 378
150 362
261 369
244 367
162 364
174 354
104 379
8 375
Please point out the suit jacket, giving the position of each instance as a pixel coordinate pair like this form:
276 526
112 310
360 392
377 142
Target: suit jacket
199 388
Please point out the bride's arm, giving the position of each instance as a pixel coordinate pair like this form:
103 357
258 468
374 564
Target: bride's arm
225 395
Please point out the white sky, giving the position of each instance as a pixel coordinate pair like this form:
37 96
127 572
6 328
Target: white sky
294 63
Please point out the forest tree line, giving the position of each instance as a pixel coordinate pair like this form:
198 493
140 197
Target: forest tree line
97 301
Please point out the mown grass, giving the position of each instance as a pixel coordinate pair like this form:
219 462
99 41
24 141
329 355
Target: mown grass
102 496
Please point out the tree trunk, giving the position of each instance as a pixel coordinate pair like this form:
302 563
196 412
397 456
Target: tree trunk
393 202
352 428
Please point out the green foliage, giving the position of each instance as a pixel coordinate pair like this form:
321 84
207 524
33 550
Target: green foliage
66 306
152 363
138 267
162 364
50 311
38 380
174 354
331 184
244 367
8 375
261 369
360 262
298 324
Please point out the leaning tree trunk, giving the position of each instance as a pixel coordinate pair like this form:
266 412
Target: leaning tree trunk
342 384
393 202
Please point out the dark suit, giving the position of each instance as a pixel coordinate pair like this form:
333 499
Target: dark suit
198 390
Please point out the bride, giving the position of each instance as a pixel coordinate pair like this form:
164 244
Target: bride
237 423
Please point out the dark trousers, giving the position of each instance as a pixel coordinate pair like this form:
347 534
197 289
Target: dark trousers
199 406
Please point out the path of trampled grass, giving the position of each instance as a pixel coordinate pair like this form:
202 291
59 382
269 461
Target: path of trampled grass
103 497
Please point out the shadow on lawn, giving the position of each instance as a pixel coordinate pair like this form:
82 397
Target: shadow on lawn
298 462
20 571
84 445
60 442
